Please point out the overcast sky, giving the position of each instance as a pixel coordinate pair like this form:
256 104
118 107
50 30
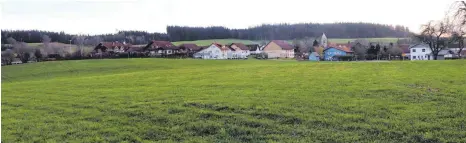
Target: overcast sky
106 16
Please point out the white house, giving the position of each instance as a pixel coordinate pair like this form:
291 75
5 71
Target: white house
423 52
214 51
420 52
241 50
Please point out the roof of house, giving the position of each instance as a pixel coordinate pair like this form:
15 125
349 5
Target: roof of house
223 47
416 45
343 45
164 44
405 48
241 46
283 44
445 52
218 45
191 46
456 45
315 54
344 49
112 44
135 48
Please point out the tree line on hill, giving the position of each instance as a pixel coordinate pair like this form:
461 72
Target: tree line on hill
36 36
262 32
288 31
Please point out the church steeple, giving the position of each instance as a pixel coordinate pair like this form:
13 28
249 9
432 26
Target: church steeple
323 40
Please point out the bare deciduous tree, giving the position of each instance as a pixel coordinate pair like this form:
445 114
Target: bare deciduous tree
79 42
458 27
433 34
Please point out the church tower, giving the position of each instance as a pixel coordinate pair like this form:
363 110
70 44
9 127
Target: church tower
323 40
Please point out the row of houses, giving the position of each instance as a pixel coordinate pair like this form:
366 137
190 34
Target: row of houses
167 49
423 52
332 51
274 49
412 52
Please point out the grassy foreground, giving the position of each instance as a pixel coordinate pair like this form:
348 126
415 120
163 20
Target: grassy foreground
150 100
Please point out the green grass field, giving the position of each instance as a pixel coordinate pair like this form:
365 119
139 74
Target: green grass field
210 41
162 100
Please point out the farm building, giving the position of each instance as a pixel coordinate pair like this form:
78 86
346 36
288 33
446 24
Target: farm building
279 49
332 53
445 53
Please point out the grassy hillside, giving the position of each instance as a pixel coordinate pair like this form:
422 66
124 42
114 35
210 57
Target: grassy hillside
210 41
147 100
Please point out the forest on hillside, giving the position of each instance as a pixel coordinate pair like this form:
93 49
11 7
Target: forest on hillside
262 32
289 31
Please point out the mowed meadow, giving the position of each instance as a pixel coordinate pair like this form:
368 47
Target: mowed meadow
163 100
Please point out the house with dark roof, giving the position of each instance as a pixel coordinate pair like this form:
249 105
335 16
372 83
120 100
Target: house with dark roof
189 49
161 48
279 49
446 53
135 48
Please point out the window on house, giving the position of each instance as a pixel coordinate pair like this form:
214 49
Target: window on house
414 50
414 57
423 50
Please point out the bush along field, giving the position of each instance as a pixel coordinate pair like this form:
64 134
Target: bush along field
162 100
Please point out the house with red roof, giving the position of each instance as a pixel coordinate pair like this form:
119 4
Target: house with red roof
116 47
240 49
333 53
214 51
279 49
